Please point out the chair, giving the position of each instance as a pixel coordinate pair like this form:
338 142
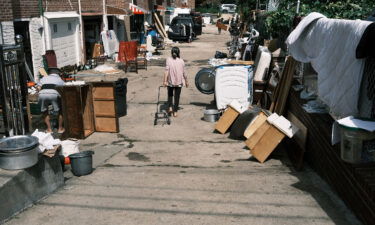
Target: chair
141 58
128 53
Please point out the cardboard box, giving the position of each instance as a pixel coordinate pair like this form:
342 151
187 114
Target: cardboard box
226 120
264 141
253 126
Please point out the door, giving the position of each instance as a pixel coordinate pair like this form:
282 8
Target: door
64 41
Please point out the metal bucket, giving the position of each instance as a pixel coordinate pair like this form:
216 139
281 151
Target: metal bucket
211 115
18 152
81 163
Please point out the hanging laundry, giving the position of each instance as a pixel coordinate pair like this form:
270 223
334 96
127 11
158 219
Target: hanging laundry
110 42
330 45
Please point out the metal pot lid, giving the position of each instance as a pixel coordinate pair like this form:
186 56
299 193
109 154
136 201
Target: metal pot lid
18 144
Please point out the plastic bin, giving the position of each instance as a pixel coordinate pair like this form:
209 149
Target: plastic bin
352 141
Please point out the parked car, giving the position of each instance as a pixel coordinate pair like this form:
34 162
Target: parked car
197 22
228 8
182 29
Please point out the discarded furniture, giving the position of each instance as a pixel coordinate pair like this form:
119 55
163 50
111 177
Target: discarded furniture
141 58
266 134
233 83
233 110
14 108
104 103
226 120
128 53
50 57
78 111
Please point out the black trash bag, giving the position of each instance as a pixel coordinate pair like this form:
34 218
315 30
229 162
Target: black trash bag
242 122
220 55
121 90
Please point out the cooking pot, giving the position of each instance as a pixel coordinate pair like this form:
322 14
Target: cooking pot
18 152
211 115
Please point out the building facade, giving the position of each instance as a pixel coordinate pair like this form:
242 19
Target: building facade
72 27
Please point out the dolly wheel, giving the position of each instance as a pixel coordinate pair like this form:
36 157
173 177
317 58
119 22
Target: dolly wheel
168 121
155 122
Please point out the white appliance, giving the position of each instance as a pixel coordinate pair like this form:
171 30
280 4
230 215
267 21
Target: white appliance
233 83
262 63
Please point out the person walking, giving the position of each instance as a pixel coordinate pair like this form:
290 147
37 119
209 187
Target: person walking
175 78
218 24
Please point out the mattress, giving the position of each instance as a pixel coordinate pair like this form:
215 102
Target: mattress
233 83
262 63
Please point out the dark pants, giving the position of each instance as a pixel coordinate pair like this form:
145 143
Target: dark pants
174 91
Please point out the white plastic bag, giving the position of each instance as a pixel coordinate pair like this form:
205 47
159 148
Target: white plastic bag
46 141
69 147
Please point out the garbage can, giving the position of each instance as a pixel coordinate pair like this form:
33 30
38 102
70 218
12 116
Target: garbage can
120 95
352 141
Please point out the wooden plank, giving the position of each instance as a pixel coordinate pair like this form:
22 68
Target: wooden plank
72 114
106 124
285 88
258 121
258 134
158 23
105 108
226 120
103 92
88 111
43 72
240 62
301 136
105 115
267 144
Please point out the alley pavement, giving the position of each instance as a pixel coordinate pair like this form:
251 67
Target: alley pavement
183 173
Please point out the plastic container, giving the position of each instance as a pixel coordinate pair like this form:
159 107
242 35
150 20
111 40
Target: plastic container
352 143
81 163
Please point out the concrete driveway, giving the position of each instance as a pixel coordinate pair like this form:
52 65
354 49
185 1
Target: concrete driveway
184 173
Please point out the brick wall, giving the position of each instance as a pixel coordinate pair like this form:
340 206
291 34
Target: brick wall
25 8
92 6
117 3
6 11
30 8
62 5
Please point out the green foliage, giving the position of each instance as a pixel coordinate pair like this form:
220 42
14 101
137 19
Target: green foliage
280 22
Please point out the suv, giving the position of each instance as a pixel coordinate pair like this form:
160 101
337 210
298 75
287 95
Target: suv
184 28
228 8
197 22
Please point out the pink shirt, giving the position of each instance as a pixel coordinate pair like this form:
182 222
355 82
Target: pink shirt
176 71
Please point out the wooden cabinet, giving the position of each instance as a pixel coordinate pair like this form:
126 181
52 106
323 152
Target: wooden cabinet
89 108
104 102
78 111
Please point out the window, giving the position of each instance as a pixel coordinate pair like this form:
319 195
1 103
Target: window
54 28
69 26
